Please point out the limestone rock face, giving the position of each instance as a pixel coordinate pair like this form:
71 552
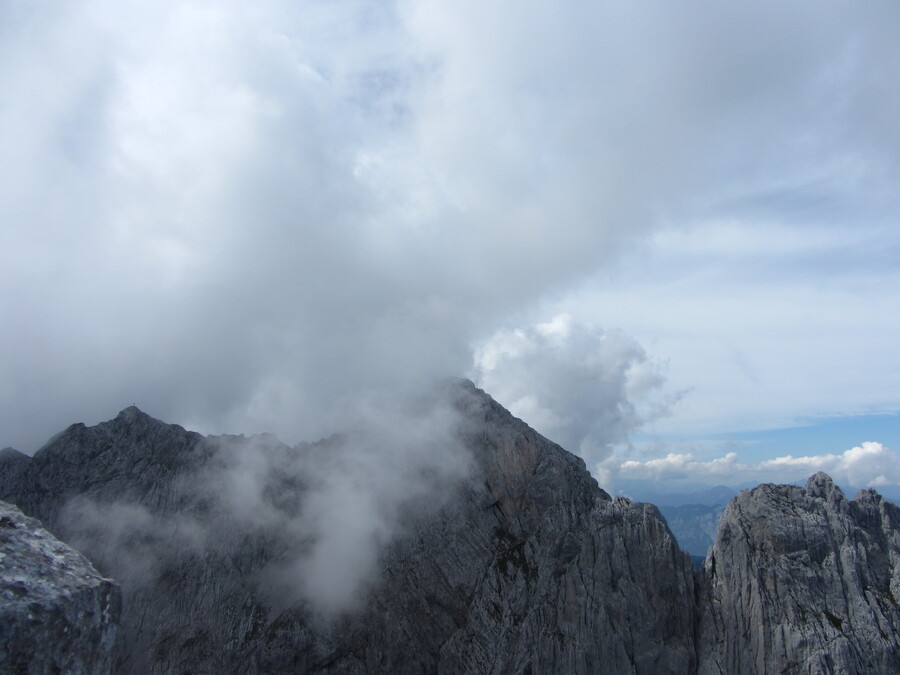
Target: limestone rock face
499 555
572 581
802 580
57 614
523 566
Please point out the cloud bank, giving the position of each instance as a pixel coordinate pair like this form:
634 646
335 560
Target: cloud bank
241 218
869 464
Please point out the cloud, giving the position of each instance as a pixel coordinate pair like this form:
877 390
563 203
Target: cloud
335 505
260 212
241 217
869 464
128 539
363 491
583 387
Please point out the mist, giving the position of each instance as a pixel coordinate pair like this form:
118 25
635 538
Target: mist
308 525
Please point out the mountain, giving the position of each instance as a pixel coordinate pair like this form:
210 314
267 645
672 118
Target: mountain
676 495
525 566
467 544
802 580
691 510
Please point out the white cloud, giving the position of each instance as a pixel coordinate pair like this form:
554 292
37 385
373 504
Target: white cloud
583 387
869 464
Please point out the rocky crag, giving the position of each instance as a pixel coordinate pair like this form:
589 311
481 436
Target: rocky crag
518 564
802 580
57 614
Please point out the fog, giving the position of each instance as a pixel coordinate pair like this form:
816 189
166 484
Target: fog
305 526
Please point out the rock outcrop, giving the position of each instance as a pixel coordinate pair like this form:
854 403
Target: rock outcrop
57 614
802 580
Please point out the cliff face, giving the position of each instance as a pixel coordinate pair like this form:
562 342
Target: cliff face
57 614
522 565
802 580
245 555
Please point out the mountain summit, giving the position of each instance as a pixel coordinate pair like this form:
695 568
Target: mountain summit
803 580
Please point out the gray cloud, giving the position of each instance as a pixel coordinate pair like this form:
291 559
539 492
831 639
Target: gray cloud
253 218
130 539
364 493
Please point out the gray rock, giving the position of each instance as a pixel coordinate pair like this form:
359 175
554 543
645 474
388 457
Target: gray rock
801 580
57 614
526 567
517 562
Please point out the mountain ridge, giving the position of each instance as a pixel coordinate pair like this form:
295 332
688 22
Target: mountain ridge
512 560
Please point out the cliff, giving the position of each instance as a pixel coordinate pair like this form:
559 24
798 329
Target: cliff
464 543
803 580
523 564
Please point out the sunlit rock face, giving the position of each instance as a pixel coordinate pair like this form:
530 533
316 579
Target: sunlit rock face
803 580
57 614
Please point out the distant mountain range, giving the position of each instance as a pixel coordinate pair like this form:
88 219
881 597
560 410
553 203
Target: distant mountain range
500 554
665 494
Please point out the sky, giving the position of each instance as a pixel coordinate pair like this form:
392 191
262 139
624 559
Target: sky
664 234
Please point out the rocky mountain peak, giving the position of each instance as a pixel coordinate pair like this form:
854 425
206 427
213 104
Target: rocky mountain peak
802 580
519 564
819 480
134 421
516 563
11 456
821 486
131 414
